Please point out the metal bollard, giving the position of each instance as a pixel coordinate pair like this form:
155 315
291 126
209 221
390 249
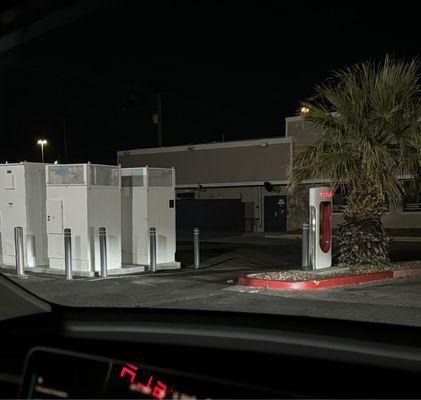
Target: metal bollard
196 233
305 257
103 251
19 251
68 254
152 249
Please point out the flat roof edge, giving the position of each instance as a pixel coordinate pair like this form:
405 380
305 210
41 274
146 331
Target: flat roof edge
294 118
207 146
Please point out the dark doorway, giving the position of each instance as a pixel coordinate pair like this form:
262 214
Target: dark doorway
275 213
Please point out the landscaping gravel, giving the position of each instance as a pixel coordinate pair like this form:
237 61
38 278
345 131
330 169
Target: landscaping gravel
298 275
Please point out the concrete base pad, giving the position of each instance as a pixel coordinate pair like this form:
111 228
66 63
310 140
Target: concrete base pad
135 268
168 265
127 269
54 271
45 269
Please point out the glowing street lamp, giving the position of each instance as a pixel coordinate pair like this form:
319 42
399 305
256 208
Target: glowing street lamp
42 143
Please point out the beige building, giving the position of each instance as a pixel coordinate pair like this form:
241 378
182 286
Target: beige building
255 172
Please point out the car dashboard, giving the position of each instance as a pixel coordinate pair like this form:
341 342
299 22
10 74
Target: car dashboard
176 354
82 375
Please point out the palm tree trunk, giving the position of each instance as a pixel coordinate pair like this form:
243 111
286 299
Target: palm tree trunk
363 240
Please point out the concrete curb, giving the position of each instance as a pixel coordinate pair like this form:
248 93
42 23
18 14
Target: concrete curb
406 238
245 280
286 236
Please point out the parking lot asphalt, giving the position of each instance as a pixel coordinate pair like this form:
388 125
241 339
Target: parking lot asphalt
213 286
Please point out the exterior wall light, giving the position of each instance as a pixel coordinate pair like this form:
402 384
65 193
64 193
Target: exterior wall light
304 110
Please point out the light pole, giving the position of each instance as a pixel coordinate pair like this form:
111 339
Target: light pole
42 143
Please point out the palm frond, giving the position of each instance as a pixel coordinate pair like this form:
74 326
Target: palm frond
369 114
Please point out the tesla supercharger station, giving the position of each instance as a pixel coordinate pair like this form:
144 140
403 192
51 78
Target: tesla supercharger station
148 201
320 238
22 203
83 197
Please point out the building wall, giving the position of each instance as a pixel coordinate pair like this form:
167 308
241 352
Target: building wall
231 162
251 196
303 132
237 170
297 206
394 219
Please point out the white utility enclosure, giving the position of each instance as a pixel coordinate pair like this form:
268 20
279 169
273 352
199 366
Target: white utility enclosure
320 239
148 200
83 197
22 203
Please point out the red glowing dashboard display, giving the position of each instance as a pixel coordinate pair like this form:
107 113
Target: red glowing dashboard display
59 374
85 376
142 381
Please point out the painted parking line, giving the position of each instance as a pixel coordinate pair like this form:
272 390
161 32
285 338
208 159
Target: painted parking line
244 289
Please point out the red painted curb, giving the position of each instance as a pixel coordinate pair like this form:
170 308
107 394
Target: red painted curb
325 283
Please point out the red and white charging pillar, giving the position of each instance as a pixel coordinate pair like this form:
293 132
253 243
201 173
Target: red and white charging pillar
320 235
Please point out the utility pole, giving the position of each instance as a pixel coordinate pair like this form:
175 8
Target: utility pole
157 118
159 109
65 140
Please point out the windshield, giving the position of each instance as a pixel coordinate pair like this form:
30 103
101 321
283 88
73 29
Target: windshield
258 157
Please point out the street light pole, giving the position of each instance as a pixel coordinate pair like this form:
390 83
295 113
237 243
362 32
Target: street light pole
159 110
42 143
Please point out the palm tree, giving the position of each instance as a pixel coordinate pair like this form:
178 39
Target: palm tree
370 115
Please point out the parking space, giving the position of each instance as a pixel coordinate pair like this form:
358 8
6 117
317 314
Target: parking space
213 286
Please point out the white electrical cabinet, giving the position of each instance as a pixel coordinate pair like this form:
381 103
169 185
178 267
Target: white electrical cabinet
22 203
83 198
148 200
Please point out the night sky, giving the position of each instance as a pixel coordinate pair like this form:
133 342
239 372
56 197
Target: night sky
231 70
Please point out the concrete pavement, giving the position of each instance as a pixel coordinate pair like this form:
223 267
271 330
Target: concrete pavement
213 286
397 302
